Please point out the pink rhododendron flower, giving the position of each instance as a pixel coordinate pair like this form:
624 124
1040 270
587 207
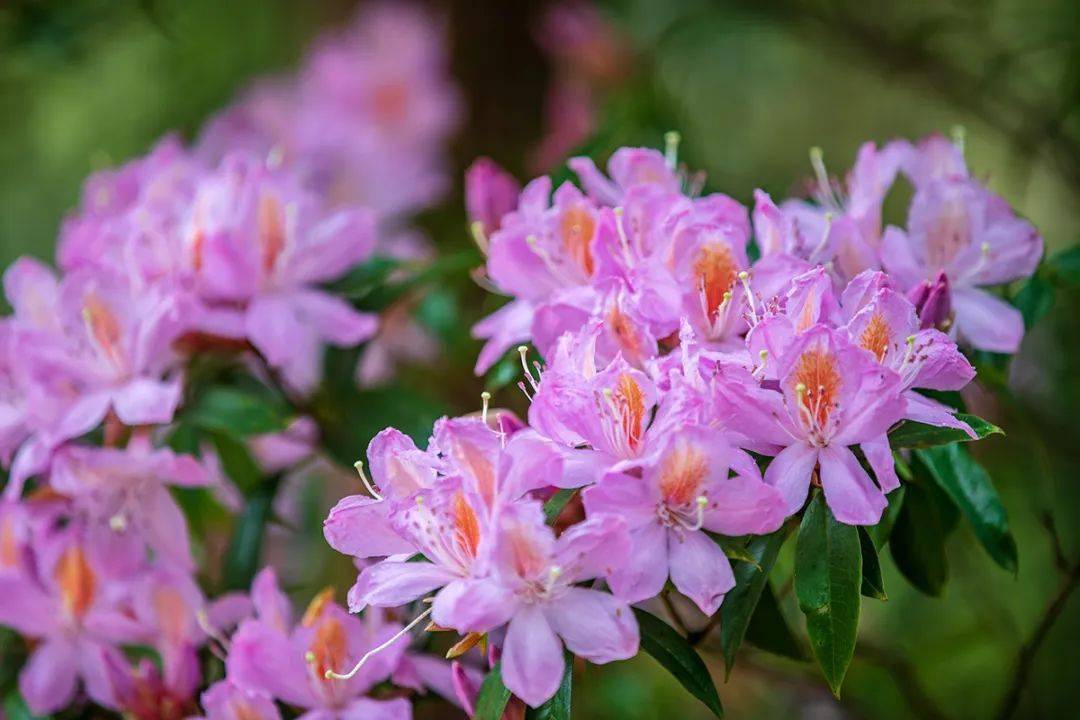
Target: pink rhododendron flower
70 604
682 490
258 245
289 662
532 589
225 701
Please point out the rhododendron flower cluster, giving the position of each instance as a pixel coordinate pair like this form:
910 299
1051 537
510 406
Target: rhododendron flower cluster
701 378
181 270
692 394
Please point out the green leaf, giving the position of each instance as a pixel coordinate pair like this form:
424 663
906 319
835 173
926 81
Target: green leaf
556 503
872 586
15 708
968 485
769 629
675 654
735 549
238 411
558 706
881 532
244 553
363 279
917 542
1065 266
504 372
491 702
1034 300
912 434
750 581
828 575
237 462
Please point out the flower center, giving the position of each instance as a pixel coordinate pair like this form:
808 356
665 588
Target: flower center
576 228
817 385
948 235
271 227
875 336
715 272
77 582
103 328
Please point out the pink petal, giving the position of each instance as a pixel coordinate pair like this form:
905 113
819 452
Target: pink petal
925 410
225 701
594 625
333 319
271 605
879 455
743 505
143 401
699 569
473 605
852 496
390 584
643 574
263 660
532 659
789 472
360 526
368 709
47 681
987 322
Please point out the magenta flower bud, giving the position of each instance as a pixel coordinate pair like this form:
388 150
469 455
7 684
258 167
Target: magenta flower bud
933 302
490 193
465 688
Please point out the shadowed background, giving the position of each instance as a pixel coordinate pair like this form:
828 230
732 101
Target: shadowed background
751 85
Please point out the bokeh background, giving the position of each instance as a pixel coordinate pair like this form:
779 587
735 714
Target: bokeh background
751 85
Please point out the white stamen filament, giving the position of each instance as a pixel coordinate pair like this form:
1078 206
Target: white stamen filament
479 236
744 278
523 351
701 502
118 522
671 149
624 241
534 244
959 137
331 675
368 485
485 398
825 193
203 621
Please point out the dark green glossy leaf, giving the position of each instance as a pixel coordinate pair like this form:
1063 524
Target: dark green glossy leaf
872 586
15 708
917 435
968 485
735 549
769 629
1065 266
1034 300
917 542
243 557
557 502
881 532
364 278
828 575
452 264
750 581
238 412
491 702
237 462
675 654
558 707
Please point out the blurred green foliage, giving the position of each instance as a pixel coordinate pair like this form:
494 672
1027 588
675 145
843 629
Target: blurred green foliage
86 84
